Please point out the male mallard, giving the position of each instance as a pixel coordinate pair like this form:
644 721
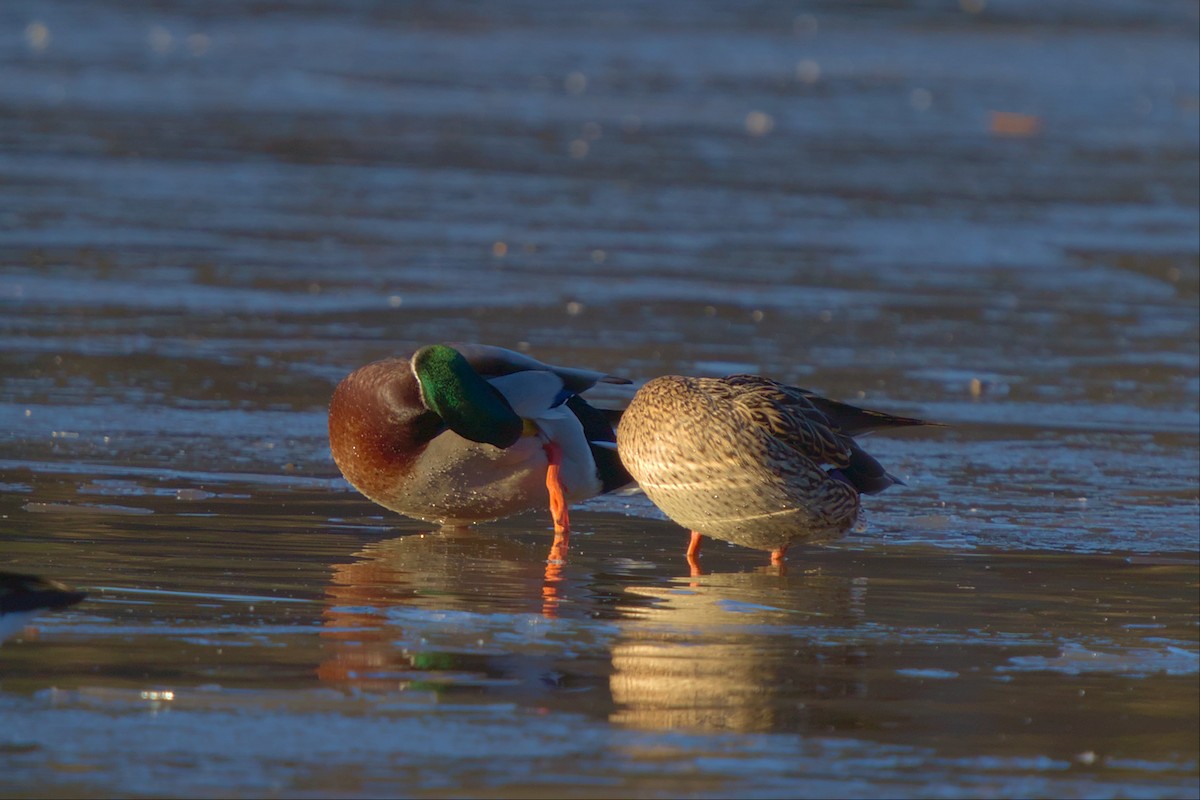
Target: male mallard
751 461
470 433
23 597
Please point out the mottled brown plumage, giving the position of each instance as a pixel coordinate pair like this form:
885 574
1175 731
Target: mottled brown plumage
750 460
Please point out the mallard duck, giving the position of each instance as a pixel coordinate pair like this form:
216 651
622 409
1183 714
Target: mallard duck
23 597
469 433
751 461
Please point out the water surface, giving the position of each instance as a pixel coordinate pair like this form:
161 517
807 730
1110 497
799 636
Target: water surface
211 213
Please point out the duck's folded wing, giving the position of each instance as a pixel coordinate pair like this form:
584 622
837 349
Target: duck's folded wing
491 361
532 393
819 429
786 414
855 421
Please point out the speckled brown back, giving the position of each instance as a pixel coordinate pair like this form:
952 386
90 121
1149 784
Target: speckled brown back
727 458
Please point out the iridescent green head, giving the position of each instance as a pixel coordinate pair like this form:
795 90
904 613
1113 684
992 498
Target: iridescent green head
469 405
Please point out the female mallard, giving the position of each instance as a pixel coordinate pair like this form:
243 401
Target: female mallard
470 433
23 597
751 461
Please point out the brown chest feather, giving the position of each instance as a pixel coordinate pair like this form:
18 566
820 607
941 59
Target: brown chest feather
378 426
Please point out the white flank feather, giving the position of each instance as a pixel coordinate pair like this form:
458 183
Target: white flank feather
530 393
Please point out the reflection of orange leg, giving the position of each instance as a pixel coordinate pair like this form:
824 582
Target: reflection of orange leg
558 500
558 548
554 566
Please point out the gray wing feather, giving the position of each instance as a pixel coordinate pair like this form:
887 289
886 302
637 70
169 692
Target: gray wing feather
491 361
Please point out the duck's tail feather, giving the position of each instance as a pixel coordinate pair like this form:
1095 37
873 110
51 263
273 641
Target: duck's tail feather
20 592
854 421
864 473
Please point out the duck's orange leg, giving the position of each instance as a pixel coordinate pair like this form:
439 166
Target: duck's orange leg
777 555
558 500
692 552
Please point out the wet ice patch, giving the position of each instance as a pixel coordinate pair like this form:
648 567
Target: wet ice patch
1076 659
468 631
740 607
286 742
935 674
86 508
722 368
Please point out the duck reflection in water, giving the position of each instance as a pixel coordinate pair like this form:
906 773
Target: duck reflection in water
741 652
459 585
460 614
